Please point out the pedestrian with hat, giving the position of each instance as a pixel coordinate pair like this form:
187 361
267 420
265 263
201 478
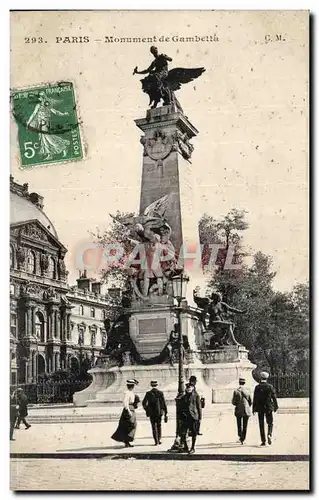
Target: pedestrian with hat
242 401
22 401
265 403
193 381
155 407
190 413
126 428
13 413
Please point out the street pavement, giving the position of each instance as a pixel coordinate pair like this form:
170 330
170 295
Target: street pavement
220 462
219 437
154 475
63 413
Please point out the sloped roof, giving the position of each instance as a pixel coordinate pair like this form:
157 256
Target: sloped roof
22 210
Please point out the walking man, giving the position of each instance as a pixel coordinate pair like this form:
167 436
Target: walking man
23 409
265 403
190 413
242 402
13 414
155 406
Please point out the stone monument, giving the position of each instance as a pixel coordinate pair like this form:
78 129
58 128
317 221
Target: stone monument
141 342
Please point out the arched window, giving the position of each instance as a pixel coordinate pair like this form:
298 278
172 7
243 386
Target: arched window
81 308
39 327
11 256
31 266
52 268
104 314
92 312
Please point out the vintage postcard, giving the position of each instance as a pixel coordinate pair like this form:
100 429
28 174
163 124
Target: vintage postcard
159 288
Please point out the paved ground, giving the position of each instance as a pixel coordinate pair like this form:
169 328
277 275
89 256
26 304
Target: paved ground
230 465
155 475
219 437
69 413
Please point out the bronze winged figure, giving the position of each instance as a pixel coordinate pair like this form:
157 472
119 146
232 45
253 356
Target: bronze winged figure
161 84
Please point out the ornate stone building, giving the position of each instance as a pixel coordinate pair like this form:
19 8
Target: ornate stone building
52 326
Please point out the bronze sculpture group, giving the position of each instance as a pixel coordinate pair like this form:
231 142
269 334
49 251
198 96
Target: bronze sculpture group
160 84
218 313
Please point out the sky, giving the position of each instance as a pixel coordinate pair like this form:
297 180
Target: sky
250 107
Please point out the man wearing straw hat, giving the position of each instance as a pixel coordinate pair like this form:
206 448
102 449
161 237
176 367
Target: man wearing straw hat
265 403
155 406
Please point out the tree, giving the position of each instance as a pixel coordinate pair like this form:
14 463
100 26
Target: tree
226 233
275 327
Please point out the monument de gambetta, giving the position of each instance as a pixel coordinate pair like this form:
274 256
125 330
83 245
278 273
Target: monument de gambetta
142 341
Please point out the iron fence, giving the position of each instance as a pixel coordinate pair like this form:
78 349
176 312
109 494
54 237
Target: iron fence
48 392
293 385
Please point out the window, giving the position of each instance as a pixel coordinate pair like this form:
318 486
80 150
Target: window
13 378
92 312
12 289
96 288
39 327
11 256
81 310
81 336
31 265
104 314
13 324
52 268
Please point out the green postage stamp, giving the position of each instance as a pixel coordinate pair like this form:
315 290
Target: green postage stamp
48 127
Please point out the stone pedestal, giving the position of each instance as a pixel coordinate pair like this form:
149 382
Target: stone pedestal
217 375
150 323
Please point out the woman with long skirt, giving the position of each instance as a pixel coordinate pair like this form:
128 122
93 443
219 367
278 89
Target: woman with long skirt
126 428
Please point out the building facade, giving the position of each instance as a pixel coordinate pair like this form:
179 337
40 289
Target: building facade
52 326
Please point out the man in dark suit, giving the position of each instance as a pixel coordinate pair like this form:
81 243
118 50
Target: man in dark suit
242 402
155 406
265 403
190 413
23 409
193 381
13 413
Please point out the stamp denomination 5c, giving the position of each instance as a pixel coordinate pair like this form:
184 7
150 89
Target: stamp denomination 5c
48 127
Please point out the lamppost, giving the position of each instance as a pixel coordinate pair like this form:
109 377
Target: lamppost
180 282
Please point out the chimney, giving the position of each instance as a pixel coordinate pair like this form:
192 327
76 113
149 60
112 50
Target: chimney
83 282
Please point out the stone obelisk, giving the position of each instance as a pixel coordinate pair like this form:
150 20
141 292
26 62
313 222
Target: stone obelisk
167 174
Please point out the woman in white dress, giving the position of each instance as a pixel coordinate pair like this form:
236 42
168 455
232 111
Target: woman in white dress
50 144
126 428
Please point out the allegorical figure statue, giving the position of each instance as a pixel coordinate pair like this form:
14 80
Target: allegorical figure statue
219 321
156 251
40 121
160 84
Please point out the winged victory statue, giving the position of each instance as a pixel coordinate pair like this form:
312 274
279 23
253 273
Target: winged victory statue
160 84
